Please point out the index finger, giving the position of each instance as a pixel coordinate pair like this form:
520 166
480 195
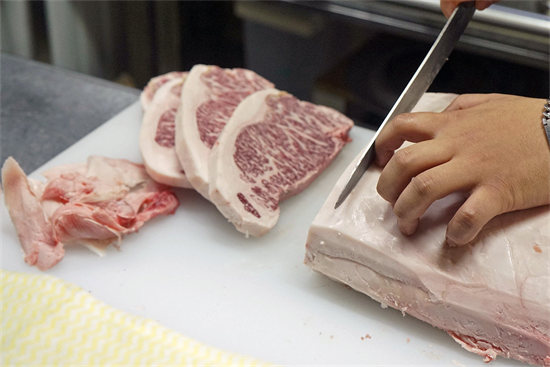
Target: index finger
413 127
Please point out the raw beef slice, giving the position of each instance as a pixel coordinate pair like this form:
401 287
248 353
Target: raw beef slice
210 95
491 296
154 84
273 147
157 138
94 204
33 228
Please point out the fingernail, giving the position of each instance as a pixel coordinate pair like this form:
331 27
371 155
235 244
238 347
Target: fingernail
408 228
451 243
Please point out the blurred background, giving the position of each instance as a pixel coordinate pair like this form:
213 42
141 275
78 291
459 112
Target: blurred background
355 56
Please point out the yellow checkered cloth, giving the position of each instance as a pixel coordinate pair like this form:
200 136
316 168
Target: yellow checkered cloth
48 322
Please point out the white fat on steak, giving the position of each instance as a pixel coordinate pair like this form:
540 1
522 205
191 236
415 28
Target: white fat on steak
272 148
210 95
154 84
492 296
157 138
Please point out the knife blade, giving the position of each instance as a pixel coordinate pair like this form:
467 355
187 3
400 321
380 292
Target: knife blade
418 85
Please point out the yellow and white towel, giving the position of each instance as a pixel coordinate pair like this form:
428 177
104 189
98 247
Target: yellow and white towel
48 322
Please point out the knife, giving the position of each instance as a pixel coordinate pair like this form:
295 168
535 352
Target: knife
418 85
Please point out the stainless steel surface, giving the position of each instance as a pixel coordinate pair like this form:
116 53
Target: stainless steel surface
499 31
418 85
499 14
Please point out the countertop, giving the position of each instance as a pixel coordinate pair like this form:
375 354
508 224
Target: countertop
45 109
195 274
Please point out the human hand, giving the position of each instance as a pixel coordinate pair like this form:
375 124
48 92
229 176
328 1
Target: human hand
447 6
492 147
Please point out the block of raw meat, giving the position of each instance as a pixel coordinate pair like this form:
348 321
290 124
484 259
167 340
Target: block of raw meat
492 296
157 138
154 84
93 204
210 95
272 148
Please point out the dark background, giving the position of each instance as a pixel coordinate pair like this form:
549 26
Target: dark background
359 70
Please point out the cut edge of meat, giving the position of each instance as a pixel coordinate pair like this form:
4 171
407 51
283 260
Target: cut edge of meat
189 147
161 162
148 93
145 99
180 182
354 277
255 220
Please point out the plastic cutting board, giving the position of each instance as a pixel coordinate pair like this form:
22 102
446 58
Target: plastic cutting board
194 273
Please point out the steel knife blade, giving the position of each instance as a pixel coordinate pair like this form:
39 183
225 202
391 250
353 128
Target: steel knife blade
418 85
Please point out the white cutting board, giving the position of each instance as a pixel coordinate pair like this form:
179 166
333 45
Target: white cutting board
194 273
